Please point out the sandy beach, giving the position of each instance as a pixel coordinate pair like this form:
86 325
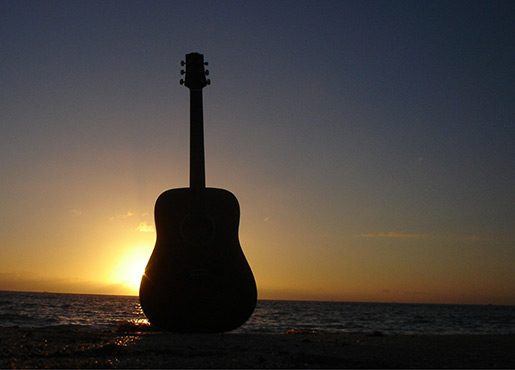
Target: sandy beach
133 347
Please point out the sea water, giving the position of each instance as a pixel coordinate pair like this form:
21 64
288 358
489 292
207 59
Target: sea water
25 309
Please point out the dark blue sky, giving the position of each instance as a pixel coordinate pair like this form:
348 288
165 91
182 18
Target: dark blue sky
359 136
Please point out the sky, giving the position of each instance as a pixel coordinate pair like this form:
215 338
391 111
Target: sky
370 143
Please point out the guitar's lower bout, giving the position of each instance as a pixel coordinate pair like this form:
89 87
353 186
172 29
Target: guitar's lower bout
197 279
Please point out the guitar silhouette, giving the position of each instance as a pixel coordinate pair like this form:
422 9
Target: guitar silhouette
197 278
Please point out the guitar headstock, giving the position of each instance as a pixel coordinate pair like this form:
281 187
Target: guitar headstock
195 74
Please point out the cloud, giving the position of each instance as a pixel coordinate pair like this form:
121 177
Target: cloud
122 215
392 234
145 228
76 211
476 238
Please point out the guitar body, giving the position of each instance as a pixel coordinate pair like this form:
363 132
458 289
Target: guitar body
197 278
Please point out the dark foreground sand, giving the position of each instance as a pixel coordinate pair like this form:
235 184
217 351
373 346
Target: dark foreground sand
65 347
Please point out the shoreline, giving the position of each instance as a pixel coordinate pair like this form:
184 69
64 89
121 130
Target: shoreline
126 347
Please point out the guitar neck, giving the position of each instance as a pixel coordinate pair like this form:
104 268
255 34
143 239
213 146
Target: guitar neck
197 162
196 81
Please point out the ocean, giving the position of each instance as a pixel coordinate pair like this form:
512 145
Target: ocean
24 309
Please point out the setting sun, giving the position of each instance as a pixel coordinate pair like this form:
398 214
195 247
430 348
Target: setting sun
130 267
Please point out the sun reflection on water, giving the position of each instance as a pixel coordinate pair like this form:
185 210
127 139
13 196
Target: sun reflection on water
126 340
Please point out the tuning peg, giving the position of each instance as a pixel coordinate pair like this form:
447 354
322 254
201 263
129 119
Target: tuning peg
207 72
182 71
182 63
181 81
208 82
206 63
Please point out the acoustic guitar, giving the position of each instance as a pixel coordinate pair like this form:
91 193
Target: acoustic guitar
197 278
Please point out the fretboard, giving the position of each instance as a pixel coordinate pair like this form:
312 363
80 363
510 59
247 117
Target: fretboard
197 165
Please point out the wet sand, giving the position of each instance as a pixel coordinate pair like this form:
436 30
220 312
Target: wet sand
74 347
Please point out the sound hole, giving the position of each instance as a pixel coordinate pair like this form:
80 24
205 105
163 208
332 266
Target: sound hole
197 230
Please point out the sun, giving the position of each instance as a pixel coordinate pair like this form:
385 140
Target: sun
130 267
